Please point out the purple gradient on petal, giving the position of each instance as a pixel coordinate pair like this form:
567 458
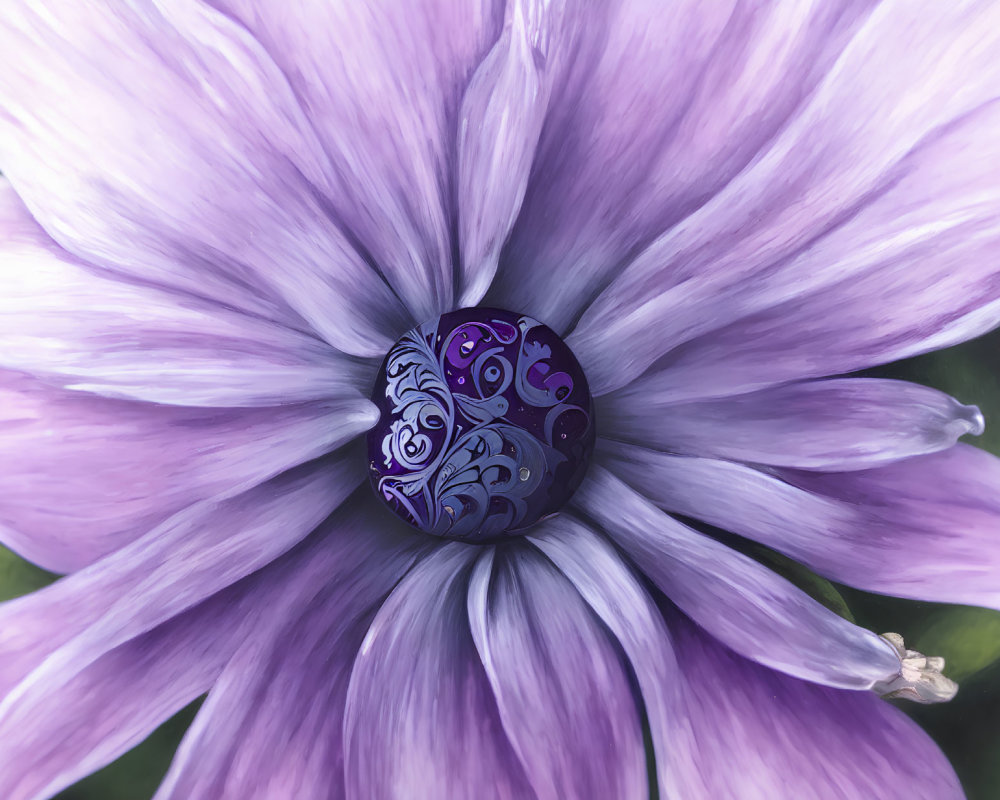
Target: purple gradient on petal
751 732
561 687
830 425
923 528
421 719
220 215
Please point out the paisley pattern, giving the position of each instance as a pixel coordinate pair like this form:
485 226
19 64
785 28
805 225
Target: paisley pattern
486 425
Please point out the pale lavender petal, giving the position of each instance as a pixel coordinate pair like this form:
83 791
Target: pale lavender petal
862 234
753 733
52 738
272 724
85 329
622 160
624 606
923 528
841 424
739 601
382 84
94 474
421 720
560 684
194 167
501 120
57 631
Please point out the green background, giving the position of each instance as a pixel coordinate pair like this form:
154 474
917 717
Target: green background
968 728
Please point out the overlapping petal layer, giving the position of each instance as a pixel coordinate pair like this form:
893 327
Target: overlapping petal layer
616 596
753 733
755 209
194 167
501 119
560 685
51 635
381 84
923 528
56 730
94 474
272 724
76 326
863 232
622 160
421 720
742 603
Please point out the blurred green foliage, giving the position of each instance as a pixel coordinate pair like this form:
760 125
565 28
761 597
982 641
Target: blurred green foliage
18 576
968 728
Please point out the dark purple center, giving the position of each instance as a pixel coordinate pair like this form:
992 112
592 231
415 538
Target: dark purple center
486 425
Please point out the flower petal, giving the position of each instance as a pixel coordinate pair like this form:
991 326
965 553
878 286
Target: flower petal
840 424
623 605
753 733
623 160
502 115
863 233
560 685
57 631
386 109
87 330
162 142
94 474
923 528
739 601
421 721
272 723
53 737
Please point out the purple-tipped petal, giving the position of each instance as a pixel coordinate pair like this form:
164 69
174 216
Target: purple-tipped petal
841 424
865 232
610 588
382 83
56 736
753 733
194 167
923 528
502 116
94 474
421 720
59 630
560 685
85 329
622 160
272 724
739 601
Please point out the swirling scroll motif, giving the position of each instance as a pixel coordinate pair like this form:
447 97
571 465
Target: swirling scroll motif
457 458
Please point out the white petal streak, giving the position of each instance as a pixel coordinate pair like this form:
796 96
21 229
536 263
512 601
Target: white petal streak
878 193
86 329
177 565
742 603
160 140
832 425
502 115
616 596
560 685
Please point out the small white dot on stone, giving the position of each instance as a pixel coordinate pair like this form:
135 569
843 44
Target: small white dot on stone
524 473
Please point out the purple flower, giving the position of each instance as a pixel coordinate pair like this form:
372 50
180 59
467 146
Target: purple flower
221 216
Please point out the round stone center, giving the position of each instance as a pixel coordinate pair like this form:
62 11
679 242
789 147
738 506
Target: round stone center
486 426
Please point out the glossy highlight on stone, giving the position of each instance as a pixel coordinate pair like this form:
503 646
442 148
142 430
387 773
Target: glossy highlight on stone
486 425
